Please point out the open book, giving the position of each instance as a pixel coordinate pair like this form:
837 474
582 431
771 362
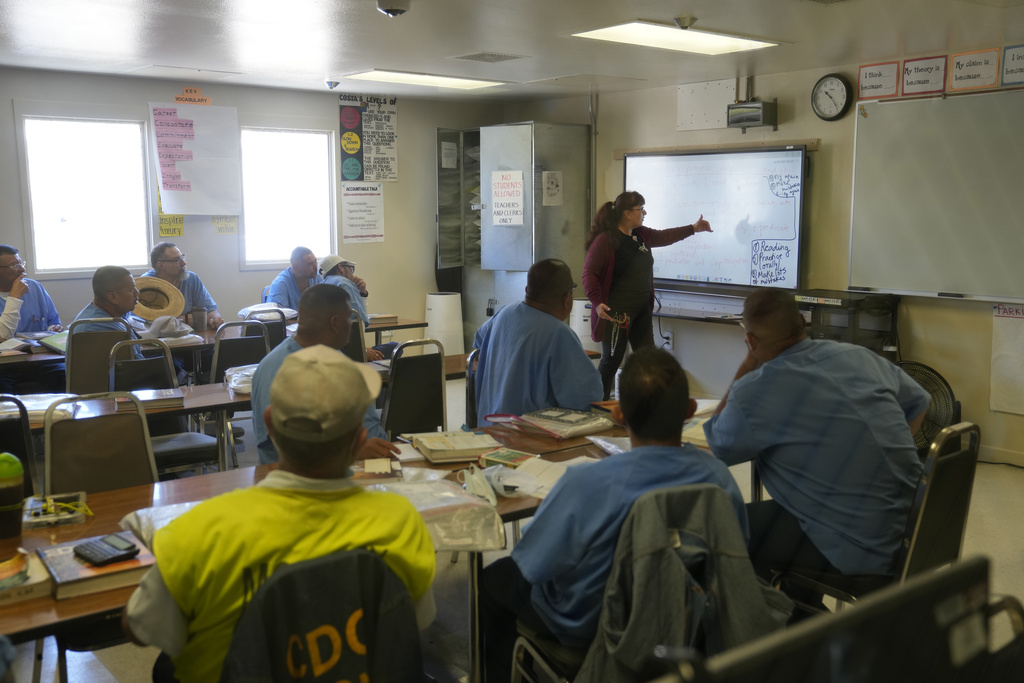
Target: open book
557 423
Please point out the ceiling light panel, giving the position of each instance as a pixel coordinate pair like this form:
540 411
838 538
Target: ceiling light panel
422 79
673 38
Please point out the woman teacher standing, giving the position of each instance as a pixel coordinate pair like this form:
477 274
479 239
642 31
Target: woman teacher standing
618 276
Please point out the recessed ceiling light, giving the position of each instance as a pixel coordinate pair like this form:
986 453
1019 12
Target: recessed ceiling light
422 79
673 38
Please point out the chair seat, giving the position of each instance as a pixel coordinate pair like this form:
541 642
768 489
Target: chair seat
185 448
842 586
562 659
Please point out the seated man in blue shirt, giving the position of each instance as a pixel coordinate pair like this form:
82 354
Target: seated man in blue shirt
114 296
829 427
324 315
554 580
529 358
169 264
290 283
26 307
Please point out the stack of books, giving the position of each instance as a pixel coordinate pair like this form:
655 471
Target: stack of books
451 446
383 318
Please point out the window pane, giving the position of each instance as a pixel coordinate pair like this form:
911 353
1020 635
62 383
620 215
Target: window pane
286 190
87 188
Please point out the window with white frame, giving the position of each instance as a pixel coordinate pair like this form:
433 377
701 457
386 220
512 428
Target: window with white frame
287 181
88 204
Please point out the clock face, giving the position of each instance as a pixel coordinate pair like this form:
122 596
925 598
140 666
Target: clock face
831 97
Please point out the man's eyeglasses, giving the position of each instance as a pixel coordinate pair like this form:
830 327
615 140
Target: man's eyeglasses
17 264
172 260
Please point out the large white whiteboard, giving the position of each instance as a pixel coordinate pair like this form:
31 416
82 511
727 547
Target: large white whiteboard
938 196
752 199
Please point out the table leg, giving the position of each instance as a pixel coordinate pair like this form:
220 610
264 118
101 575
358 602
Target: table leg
755 484
223 444
475 641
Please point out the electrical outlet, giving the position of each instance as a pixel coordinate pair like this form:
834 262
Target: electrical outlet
667 340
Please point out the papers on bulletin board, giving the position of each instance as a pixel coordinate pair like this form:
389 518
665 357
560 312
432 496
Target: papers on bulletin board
198 151
1006 391
362 212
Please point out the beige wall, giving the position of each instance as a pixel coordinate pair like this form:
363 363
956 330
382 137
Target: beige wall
954 337
399 271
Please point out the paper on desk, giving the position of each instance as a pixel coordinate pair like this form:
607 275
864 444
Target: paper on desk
548 473
406 451
1006 391
693 432
706 407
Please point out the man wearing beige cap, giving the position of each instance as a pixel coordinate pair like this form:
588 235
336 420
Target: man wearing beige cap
324 318
211 560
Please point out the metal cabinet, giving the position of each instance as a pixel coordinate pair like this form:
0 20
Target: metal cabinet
510 195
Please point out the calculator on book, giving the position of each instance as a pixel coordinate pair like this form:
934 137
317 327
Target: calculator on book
106 550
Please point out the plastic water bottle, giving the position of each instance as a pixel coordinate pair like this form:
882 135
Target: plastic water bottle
12 490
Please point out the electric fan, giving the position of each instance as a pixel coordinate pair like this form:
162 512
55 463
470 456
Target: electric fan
944 409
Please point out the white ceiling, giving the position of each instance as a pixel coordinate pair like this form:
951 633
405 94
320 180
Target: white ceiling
301 43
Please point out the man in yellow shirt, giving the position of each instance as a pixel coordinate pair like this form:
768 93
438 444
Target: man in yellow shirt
212 559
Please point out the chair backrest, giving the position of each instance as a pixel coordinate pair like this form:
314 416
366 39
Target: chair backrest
275 328
88 352
230 352
102 453
356 347
471 416
938 516
151 372
263 296
16 437
415 399
343 616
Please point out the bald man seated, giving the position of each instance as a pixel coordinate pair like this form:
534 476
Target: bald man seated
830 428
529 358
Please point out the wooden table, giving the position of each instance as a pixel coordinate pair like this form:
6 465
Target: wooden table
402 324
42 617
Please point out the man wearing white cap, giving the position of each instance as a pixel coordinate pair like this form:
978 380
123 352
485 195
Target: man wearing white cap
324 318
341 272
212 559
169 264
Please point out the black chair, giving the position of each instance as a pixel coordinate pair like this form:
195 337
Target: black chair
935 527
230 352
354 617
16 437
415 399
471 416
356 347
901 633
275 323
175 446
88 352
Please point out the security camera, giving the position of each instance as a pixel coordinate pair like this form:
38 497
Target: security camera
393 8
331 85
